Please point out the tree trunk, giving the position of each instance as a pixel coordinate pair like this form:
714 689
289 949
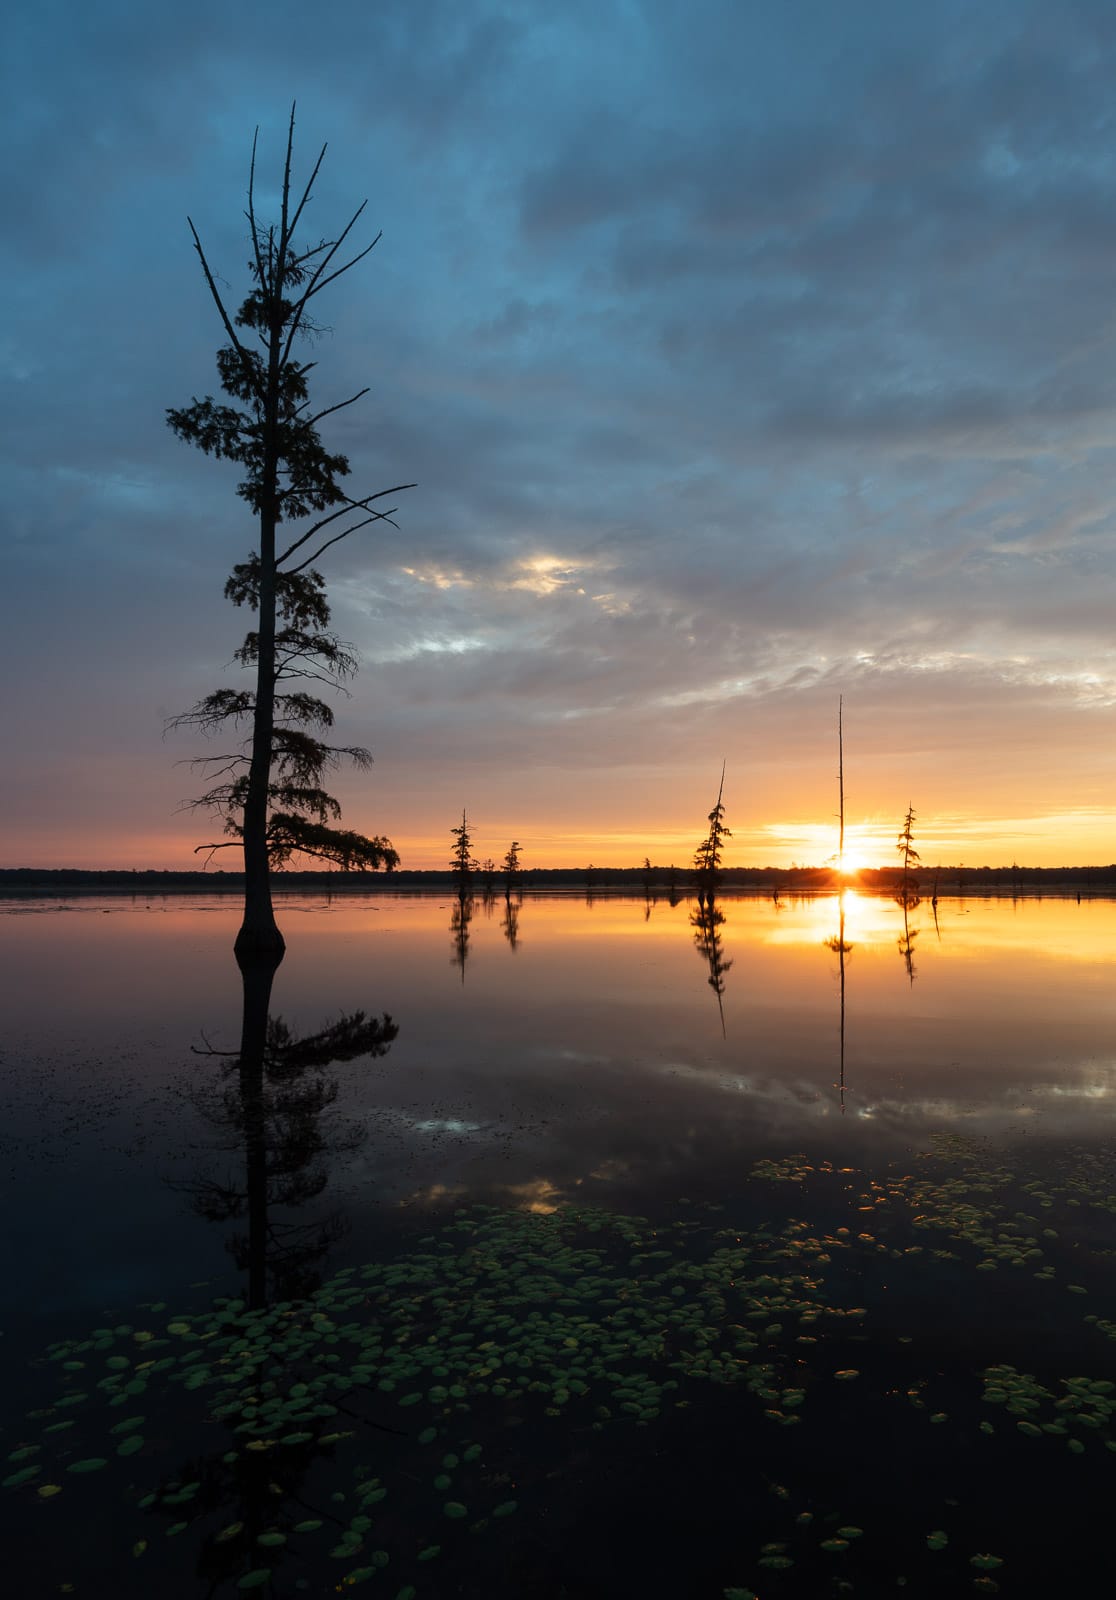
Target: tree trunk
259 934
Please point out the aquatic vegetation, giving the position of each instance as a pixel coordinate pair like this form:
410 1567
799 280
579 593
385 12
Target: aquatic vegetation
313 1421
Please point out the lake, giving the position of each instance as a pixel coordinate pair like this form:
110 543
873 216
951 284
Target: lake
564 1247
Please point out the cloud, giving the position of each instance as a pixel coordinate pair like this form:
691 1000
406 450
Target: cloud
740 361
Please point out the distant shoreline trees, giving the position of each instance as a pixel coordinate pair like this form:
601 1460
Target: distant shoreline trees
271 797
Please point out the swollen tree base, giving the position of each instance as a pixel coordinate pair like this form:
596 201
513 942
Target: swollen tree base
257 945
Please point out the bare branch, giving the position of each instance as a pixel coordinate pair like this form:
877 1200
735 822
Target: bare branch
312 287
220 304
350 505
377 516
312 422
284 231
252 209
306 191
318 287
229 844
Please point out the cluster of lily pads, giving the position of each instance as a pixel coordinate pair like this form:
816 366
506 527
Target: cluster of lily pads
403 1368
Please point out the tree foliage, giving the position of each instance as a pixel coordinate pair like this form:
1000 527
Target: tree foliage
300 809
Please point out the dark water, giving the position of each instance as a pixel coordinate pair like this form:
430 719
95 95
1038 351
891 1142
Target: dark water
725 1160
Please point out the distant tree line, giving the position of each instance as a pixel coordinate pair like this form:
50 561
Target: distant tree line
803 880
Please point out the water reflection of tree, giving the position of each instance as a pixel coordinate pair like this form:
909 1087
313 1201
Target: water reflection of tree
843 950
908 900
510 924
460 917
268 1104
707 919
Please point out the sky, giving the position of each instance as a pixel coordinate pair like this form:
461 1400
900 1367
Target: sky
745 356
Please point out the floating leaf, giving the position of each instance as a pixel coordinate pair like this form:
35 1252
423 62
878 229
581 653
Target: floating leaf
47 1490
24 1475
937 1540
228 1533
847 1373
90 1464
128 1425
455 1510
430 1552
851 1533
253 1580
139 1547
985 1562
272 1537
835 1544
311 1525
505 1508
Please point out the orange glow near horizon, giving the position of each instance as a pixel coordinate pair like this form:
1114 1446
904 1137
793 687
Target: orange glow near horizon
1079 838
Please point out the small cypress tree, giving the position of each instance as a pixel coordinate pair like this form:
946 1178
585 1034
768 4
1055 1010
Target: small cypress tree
462 862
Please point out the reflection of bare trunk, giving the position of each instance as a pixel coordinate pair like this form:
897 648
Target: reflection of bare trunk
841 962
257 971
842 950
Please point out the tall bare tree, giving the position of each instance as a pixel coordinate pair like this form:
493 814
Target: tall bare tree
272 800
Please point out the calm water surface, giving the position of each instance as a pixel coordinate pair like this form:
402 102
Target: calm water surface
615 1056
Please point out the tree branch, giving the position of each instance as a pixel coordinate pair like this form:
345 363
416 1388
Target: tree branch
377 516
350 505
306 191
252 209
312 422
318 287
220 304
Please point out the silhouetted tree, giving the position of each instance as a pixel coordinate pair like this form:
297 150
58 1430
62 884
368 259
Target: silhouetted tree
511 867
908 895
462 862
289 476
707 856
